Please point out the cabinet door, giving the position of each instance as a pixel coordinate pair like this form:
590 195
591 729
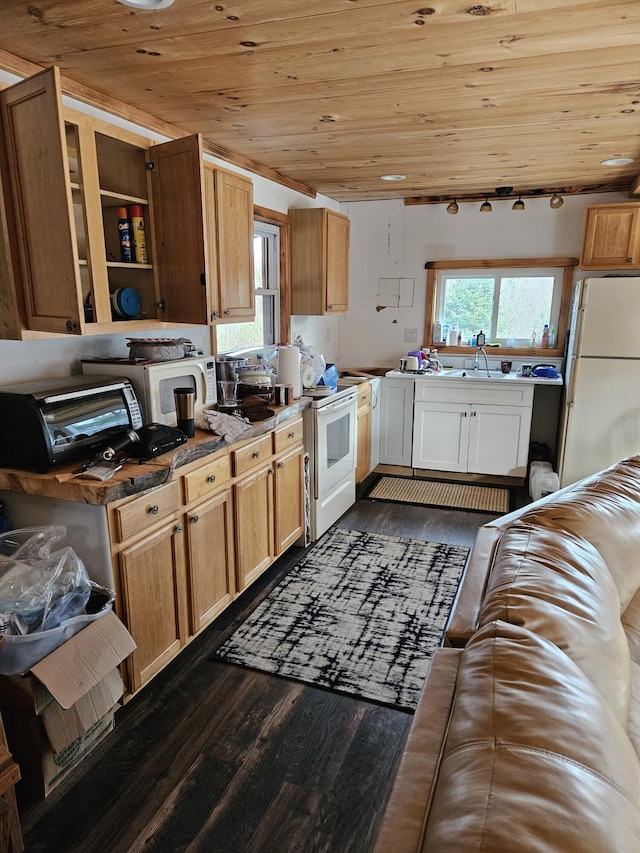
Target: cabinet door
441 436
210 564
337 263
499 440
612 237
234 219
36 145
178 214
152 574
364 442
396 421
253 518
288 499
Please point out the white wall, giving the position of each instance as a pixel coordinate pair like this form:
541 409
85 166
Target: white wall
389 240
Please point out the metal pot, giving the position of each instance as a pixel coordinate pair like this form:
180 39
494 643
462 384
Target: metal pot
227 368
159 349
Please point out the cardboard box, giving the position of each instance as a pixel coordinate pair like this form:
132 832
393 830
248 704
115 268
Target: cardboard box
59 710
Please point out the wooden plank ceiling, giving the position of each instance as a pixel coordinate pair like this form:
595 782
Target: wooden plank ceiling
460 98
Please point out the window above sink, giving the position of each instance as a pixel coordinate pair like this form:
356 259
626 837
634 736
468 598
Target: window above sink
507 299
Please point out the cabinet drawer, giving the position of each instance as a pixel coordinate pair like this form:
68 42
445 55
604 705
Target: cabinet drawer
287 435
137 515
247 457
207 479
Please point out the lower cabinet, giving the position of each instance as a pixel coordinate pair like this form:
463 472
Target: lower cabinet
454 431
288 499
210 559
396 420
183 552
152 583
253 506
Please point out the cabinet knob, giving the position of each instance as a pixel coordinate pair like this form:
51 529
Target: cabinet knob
194 519
154 509
629 260
270 471
226 312
256 454
178 528
211 479
330 307
280 464
292 435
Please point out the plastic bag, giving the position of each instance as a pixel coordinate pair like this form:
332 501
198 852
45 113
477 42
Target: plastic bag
40 585
312 363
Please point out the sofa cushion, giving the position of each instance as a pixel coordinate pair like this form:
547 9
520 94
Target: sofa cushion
605 510
535 759
557 585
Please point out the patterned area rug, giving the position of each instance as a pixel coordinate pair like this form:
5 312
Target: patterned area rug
438 493
361 613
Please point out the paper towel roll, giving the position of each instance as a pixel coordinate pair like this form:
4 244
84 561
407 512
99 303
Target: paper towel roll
289 368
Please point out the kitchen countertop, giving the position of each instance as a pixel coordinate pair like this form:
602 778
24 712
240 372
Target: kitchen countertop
470 376
134 477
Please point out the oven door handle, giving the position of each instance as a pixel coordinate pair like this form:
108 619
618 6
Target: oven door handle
339 404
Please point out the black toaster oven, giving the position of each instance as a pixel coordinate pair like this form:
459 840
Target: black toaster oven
49 422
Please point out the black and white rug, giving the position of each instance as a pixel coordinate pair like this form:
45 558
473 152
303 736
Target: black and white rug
361 613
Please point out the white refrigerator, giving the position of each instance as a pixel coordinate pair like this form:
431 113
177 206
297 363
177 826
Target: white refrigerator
600 421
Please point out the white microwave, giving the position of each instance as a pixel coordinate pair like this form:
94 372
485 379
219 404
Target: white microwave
155 381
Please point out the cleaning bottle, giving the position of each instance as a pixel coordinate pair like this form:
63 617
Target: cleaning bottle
544 342
534 338
139 239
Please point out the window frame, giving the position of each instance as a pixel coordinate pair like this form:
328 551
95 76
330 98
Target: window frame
568 266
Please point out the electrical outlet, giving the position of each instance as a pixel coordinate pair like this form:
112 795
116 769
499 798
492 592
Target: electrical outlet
411 336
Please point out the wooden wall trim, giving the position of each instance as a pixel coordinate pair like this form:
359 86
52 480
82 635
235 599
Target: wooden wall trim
92 97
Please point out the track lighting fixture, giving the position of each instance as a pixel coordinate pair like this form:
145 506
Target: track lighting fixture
452 207
485 207
556 201
518 205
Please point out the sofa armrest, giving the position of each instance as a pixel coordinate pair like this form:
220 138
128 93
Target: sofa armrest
407 810
463 620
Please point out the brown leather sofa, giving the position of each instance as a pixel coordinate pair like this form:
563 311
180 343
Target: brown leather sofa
527 734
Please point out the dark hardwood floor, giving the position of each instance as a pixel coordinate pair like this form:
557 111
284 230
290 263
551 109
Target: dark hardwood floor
213 757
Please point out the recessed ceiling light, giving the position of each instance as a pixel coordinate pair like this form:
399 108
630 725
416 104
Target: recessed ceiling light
147 4
393 177
617 161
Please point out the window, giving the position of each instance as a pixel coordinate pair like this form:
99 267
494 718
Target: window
509 301
265 328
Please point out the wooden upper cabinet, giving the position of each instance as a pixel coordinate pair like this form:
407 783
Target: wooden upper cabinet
319 261
71 175
229 214
611 237
36 144
177 182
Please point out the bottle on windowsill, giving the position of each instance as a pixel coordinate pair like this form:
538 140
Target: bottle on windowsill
544 342
481 338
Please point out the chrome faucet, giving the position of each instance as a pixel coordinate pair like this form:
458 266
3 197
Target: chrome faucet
476 363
